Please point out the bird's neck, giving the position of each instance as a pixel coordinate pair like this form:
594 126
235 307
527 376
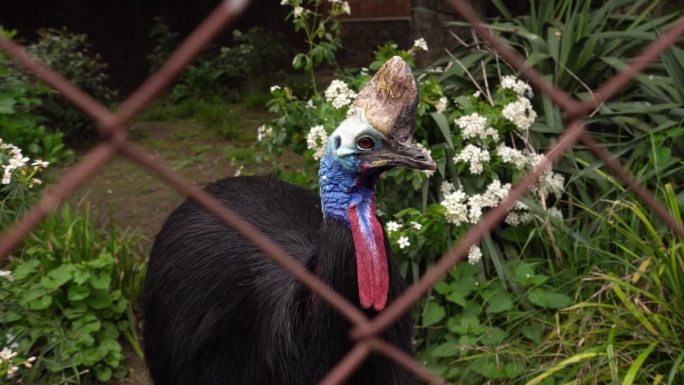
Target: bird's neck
348 195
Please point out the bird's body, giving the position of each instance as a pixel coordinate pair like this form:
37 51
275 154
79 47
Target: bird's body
218 311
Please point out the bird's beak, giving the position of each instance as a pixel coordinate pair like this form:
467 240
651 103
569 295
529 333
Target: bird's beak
399 154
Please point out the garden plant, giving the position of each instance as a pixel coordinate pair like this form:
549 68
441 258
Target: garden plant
581 284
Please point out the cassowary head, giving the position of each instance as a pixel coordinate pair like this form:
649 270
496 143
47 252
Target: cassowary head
377 135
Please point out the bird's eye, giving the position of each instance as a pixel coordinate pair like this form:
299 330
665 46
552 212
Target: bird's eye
365 143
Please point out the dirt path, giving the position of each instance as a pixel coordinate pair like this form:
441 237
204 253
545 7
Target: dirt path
136 200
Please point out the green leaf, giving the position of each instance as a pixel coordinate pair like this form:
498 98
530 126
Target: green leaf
41 303
447 349
25 269
433 314
57 276
636 365
443 125
499 303
99 299
533 332
466 324
103 374
77 293
100 281
7 105
494 336
513 369
549 298
488 367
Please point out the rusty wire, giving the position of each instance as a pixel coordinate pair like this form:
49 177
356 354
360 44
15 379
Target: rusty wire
113 129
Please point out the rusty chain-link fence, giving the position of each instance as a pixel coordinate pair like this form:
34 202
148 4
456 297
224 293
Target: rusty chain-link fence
114 131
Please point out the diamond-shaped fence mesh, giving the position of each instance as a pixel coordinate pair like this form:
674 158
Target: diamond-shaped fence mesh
114 130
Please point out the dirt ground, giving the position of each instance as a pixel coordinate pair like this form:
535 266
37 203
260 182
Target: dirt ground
135 200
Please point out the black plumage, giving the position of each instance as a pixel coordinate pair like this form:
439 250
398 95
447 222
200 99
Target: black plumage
217 311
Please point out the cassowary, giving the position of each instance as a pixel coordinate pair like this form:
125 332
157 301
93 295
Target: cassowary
218 312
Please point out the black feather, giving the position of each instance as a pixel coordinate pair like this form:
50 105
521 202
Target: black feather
217 311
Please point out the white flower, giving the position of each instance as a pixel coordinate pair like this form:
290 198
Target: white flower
264 132
6 176
309 104
421 44
239 170
512 156
379 212
520 215
416 225
275 88
516 218
495 193
11 371
475 205
555 212
477 94
403 242
447 187
284 2
519 86
474 126
457 211
298 11
393 226
520 113
6 354
441 105
7 275
345 8
316 140
550 182
474 255
339 94
40 163
475 156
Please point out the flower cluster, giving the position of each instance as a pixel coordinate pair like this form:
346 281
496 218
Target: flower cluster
456 205
482 144
264 132
9 364
474 255
441 105
6 274
475 156
344 6
339 94
474 126
520 113
462 208
16 166
316 140
520 87
420 44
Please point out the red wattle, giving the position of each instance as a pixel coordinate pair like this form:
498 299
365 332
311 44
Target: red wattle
371 259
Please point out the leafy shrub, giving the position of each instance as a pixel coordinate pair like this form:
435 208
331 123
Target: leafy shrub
18 178
224 74
71 55
164 41
20 121
68 301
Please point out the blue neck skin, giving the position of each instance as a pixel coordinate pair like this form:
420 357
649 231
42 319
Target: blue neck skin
342 186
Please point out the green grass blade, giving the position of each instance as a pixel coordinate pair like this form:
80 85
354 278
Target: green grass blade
566 362
636 365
